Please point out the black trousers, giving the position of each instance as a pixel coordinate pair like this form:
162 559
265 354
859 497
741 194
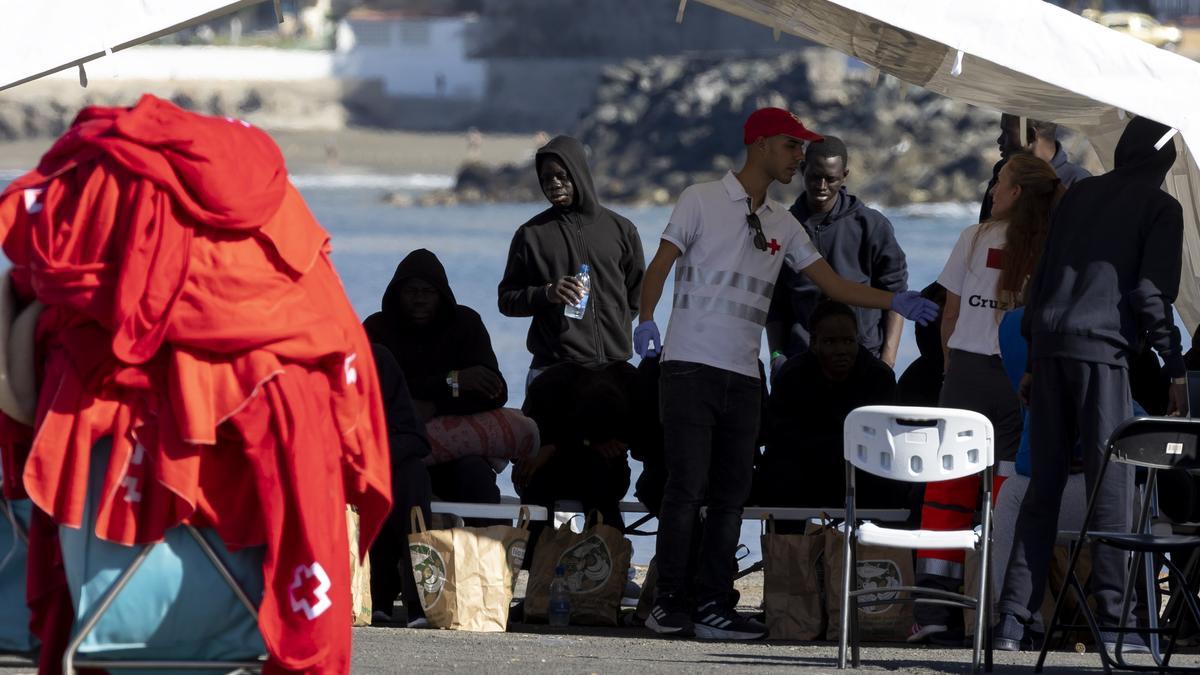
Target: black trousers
1070 397
391 568
710 421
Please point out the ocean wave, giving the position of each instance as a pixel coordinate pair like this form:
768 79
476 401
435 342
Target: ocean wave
937 210
373 181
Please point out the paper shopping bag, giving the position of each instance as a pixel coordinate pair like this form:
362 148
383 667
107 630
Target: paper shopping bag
596 563
880 568
463 576
792 583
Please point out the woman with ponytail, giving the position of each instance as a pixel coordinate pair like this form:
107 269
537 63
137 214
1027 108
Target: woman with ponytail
985 277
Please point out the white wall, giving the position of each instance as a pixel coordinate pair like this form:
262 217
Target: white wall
208 63
408 54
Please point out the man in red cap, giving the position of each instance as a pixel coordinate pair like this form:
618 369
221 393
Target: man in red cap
730 241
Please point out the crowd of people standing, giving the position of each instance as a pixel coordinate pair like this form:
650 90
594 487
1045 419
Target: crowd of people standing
1088 268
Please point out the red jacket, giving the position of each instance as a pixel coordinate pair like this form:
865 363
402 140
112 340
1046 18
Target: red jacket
194 315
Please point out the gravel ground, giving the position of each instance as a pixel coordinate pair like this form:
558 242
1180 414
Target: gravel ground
631 650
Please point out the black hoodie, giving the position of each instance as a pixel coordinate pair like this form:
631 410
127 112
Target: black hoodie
455 339
1111 267
553 245
861 246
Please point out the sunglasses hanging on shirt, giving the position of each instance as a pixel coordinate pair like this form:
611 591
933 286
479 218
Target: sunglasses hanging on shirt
760 239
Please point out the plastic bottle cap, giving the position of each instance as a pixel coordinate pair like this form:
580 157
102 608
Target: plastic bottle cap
584 268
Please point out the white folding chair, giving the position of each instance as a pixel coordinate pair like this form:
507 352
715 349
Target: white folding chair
916 445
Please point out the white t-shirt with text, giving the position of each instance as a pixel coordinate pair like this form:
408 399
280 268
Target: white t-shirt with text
972 273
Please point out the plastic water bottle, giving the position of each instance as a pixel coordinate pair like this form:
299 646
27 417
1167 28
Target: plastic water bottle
560 599
585 277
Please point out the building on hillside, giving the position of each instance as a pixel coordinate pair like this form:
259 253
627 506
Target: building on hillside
413 55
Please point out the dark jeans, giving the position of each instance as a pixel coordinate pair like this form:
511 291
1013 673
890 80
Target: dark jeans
710 423
391 568
1070 397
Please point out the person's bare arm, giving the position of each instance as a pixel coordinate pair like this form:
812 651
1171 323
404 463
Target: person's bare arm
949 321
656 277
892 330
842 290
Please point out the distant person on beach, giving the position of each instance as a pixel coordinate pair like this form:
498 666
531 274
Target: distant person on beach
474 144
1107 279
812 394
459 393
1041 138
730 241
859 244
546 254
985 276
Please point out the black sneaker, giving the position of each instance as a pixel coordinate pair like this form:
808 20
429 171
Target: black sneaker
665 622
1008 635
714 622
1131 643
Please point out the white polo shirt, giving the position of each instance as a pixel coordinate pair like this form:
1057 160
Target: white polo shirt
723 284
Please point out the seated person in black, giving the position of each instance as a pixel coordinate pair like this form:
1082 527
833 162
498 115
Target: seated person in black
455 381
802 465
587 426
391 568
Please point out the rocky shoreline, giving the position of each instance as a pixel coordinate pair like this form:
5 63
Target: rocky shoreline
660 124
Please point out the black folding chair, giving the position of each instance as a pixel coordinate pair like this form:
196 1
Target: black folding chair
1155 444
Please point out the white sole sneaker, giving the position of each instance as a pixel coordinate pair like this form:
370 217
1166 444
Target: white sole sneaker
653 624
922 633
710 633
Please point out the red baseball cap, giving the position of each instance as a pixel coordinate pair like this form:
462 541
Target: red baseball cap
774 122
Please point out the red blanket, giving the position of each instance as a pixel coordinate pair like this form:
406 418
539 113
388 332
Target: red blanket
193 315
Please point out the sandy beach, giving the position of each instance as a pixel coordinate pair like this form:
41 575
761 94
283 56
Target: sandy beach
352 149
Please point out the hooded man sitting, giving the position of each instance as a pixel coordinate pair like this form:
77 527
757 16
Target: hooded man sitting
447 358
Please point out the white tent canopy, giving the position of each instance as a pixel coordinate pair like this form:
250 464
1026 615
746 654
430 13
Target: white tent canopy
1024 57
44 36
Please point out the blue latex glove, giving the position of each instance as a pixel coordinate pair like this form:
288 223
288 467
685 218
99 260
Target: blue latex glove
913 307
645 334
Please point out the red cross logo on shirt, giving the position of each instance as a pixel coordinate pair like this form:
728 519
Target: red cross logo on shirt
774 246
310 582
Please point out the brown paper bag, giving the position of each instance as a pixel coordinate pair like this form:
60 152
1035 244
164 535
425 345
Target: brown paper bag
463 575
596 563
515 540
360 574
878 567
792 583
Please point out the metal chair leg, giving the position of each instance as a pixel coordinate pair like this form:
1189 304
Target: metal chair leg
847 570
98 612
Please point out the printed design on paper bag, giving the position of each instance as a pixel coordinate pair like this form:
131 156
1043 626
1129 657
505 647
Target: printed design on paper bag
516 555
430 572
880 574
310 581
588 565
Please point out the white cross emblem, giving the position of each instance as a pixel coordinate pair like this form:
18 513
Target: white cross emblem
321 592
33 202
